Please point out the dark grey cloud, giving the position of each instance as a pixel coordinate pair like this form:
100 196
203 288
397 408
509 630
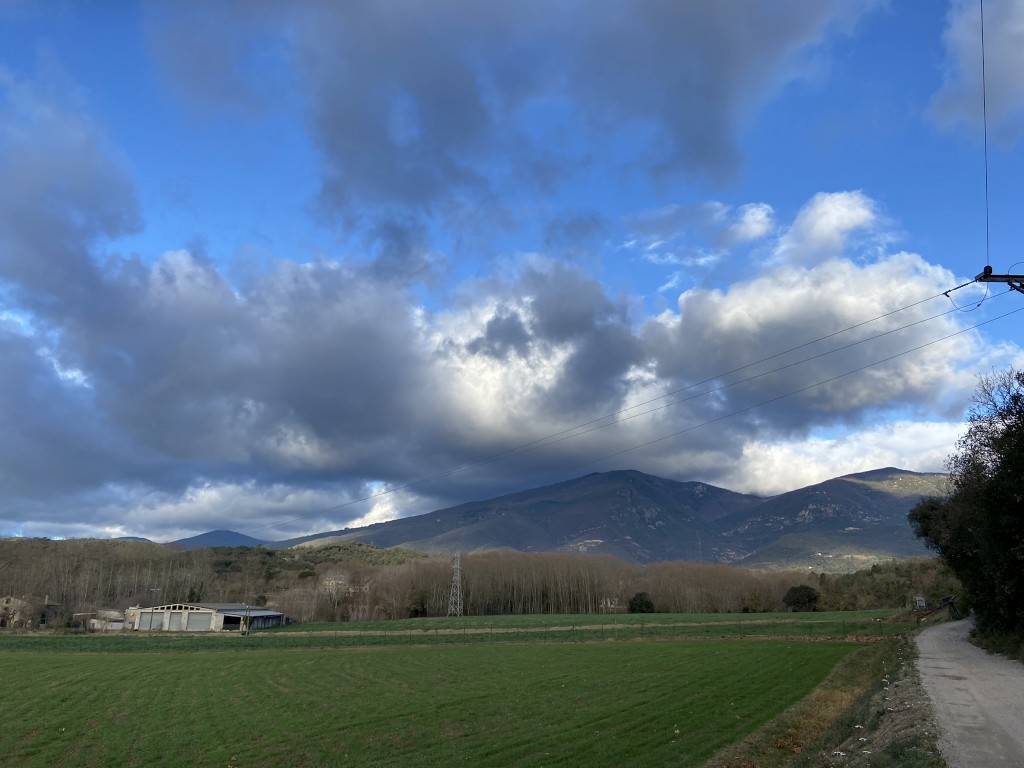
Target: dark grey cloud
426 107
567 303
119 372
716 332
159 395
959 100
692 72
503 335
50 438
402 253
64 187
575 234
593 379
220 55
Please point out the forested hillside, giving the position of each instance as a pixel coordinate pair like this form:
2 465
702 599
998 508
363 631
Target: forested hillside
356 581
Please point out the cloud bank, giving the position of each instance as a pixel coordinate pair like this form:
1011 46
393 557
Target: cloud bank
158 395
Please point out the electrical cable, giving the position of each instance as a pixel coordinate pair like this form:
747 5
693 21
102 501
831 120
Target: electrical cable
984 123
964 285
749 378
984 133
793 392
574 431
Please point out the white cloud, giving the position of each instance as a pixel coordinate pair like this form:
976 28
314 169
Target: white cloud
959 100
697 236
825 226
717 331
770 468
753 222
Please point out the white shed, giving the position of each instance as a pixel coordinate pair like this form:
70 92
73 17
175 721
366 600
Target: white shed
201 617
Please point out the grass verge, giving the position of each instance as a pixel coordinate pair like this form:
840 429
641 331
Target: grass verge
870 712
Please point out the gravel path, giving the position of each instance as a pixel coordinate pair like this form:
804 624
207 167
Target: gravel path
978 699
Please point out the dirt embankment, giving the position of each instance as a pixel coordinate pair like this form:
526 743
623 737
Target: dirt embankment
871 712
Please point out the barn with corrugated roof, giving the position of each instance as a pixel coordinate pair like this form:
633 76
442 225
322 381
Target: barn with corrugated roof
202 617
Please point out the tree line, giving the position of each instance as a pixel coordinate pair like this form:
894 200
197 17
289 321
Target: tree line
978 529
69 580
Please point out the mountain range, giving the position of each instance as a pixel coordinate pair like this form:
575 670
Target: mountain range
838 525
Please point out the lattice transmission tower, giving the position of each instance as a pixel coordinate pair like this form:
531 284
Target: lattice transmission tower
455 596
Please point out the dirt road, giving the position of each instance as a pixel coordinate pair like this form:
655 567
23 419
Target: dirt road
978 699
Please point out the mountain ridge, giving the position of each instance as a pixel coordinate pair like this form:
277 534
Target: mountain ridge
643 518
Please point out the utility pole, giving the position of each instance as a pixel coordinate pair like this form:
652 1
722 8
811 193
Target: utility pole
455 596
1016 282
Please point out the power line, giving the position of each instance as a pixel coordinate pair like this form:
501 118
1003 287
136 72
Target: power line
746 380
791 393
595 424
984 123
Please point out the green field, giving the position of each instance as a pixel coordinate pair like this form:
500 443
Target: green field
530 704
484 691
547 628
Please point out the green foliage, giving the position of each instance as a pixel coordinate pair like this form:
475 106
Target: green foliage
894 584
417 605
641 603
978 529
353 552
801 598
353 581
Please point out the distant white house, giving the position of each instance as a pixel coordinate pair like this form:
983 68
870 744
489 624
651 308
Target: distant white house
201 617
339 582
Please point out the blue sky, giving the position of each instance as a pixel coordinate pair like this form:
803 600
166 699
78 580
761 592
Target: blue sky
260 260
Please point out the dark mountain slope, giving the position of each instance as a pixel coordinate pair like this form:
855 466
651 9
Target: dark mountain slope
624 513
839 524
219 538
864 512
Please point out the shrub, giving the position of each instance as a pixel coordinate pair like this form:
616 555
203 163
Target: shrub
801 598
641 603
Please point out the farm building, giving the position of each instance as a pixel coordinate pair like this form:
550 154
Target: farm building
28 613
201 617
106 621
14 613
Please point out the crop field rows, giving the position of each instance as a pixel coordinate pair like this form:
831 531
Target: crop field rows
427 692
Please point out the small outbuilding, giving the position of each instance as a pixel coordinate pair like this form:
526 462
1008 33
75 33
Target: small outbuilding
106 621
29 612
201 617
15 613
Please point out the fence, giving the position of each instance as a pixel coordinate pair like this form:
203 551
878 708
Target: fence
475 630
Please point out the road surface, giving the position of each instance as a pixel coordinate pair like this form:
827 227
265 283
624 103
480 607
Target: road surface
978 699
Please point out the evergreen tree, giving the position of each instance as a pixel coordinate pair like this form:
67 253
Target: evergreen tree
801 598
641 603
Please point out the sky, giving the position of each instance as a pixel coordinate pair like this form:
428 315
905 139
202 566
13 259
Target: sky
284 268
